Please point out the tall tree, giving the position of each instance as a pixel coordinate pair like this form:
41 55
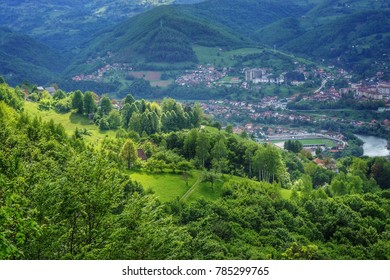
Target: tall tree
106 105
268 163
203 148
129 99
89 103
114 119
219 154
78 101
135 122
189 148
129 153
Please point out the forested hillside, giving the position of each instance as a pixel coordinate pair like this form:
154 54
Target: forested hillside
162 35
21 57
66 24
61 198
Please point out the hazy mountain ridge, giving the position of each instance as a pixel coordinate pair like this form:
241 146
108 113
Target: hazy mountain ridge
65 24
22 56
315 29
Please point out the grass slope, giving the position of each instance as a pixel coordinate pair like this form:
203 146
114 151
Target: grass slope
70 121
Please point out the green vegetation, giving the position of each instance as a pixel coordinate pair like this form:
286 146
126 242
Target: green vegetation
70 121
63 199
328 143
163 35
22 57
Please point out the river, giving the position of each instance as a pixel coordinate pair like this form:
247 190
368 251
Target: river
374 146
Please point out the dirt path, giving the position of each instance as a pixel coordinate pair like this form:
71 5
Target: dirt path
190 190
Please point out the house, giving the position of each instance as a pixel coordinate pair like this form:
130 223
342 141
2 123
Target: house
50 90
319 162
141 154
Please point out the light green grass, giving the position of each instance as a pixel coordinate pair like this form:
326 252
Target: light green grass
70 121
204 190
322 141
166 186
286 194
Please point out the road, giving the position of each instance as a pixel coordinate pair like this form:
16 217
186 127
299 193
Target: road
322 85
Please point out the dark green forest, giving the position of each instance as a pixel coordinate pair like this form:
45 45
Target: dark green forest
61 198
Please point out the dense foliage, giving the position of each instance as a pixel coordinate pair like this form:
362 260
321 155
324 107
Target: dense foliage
63 199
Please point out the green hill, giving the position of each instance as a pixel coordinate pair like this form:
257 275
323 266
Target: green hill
357 40
162 35
64 25
353 34
23 58
246 16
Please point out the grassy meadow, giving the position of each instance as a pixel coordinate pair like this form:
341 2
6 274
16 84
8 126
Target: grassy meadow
70 121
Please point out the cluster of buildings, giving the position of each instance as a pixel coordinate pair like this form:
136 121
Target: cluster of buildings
373 91
98 75
330 95
262 75
263 110
202 75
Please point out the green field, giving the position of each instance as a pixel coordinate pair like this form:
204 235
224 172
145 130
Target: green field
286 194
321 141
166 186
70 121
154 77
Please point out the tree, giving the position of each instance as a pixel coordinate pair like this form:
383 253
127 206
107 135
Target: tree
189 148
129 153
59 94
294 146
104 124
268 163
244 134
106 105
229 129
135 122
89 103
129 99
211 176
197 115
185 166
114 119
219 154
127 112
78 101
202 148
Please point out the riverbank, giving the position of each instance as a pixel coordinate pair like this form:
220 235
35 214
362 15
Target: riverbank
374 146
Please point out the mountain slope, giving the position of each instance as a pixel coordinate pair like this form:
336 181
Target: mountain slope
22 57
247 16
63 25
357 41
162 35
